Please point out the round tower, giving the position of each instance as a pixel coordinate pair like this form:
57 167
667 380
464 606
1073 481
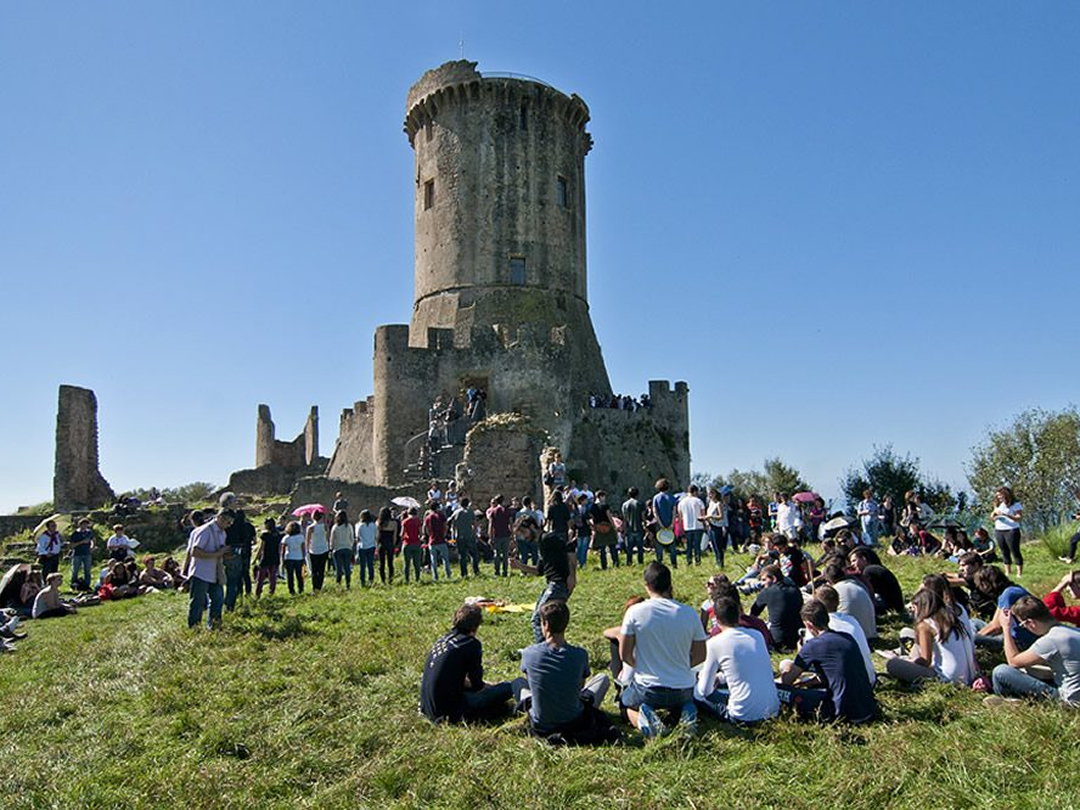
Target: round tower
500 195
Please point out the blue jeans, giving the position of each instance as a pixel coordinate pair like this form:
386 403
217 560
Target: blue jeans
693 545
487 699
673 553
343 565
635 540
502 558
1012 682
413 555
468 550
234 579
528 552
365 557
200 591
553 591
439 552
80 563
582 550
718 538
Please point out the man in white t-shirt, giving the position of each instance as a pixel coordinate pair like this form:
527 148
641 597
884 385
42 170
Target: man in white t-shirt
1057 646
789 520
662 640
747 691
844 623
691 515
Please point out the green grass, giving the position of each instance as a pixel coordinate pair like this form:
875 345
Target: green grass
311 702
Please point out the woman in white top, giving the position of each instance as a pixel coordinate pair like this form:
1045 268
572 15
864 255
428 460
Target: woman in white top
1006 515
341 543
318 549
944 649
367 534
716 520
292 556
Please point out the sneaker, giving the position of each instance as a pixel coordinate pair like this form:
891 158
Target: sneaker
688 720
1066 560
649 723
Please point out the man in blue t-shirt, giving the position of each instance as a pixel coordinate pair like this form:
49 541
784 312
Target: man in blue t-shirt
663 509
836 661
554 690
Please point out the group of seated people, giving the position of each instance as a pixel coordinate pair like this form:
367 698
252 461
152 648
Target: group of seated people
670 661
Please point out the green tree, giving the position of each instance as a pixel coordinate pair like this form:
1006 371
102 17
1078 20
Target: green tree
886 472
775 476
1038 457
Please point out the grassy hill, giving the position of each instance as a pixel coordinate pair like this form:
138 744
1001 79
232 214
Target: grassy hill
311 702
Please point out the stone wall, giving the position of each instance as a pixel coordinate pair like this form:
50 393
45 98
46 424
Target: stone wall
300 452
353 458
77 481
321 489
270 480
11 525
502 457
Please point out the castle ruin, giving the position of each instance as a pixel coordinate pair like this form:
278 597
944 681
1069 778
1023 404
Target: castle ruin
77 480
500 307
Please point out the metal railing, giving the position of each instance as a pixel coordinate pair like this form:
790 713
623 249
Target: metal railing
488 74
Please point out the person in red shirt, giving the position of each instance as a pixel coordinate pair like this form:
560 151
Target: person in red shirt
435 531
499 520
1055 600
411 548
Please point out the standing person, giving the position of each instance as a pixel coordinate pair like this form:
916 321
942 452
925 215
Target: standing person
663 508
341 503
554 691
48 549
82 549
662 640
755 519
207 574
389 532
559 516
341 545
633 515
747 693
845 692
1007 513
868 518
887 516
582 530
452 688
816 516
412 550
499 519
789 520
435 531
1055 646
266 557
527 532
239 537
118 544
604 537
716 519
451 497
691 514
558 566
556 471
1074 541
463 525
292 556
783 601
367 535
318 550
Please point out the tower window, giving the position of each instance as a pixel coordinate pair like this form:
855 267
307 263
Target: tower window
428 129
429 194
517 269
562 193
524 120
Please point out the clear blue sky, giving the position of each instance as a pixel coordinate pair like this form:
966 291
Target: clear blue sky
844 224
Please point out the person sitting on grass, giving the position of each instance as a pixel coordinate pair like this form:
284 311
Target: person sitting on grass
718 587
736 683
1056 646
782 600
887 594
662 639
844 623
29 590
154 577
47 604
1055 600
554 692
452 688
979 605
172 568
855 598
992 583
838 688
944 649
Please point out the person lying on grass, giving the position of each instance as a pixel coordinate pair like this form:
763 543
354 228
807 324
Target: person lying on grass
839 688
1056 646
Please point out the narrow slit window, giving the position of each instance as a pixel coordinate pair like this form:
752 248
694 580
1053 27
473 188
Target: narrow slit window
517 269
429 194
524 118
428 129
562 192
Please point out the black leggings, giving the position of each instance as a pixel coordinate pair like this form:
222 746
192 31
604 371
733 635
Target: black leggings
386 558
1008 541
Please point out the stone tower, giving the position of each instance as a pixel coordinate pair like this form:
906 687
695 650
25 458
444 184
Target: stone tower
77 481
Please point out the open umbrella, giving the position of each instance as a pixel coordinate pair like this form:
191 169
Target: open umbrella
406 502
805 497
41 526
14 578
727 489
837 523
309 509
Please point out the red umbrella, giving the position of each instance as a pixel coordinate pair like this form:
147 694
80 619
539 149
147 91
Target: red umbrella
309 509
805 497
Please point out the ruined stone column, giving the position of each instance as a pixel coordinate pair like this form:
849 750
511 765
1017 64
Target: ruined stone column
77 481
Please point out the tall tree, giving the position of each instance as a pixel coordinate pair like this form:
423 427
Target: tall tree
886 472
1038 457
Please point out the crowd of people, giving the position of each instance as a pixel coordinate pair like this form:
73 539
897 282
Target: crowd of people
620 402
